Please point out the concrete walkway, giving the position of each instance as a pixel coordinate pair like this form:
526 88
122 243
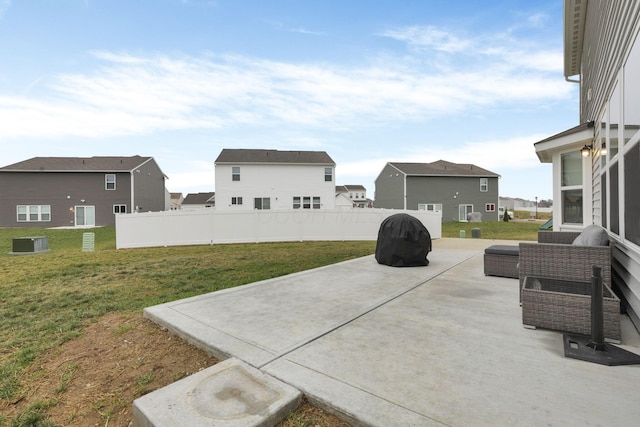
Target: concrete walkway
441 345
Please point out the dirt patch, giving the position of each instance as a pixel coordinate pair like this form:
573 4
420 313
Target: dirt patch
93 380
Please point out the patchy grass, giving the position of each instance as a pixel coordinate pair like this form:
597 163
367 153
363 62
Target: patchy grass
49 299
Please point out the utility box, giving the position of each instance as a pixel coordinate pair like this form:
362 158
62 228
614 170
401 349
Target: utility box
88 242
475 233
30 245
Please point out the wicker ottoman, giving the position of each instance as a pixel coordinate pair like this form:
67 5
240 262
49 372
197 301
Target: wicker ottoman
501 260
565 306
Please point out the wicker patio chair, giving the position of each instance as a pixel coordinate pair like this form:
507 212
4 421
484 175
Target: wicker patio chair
556 306
555 257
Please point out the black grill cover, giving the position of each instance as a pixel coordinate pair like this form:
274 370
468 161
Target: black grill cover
403 241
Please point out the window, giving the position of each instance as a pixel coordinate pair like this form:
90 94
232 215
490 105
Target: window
571 164
572 206
631 112
614 122
614 199
571 187
484 185
463 212
85 215
262 203
110 181
236 200
328 174
235 174
308 202
33 213
119 209
490 207
632 201
431 207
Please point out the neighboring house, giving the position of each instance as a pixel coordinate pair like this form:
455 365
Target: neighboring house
454 189
343 201
271 179
176 201
602 54
199 200
356 193
75 191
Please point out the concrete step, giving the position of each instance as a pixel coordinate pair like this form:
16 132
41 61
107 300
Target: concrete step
228 394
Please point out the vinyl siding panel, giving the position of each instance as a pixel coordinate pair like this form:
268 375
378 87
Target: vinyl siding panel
389 192
451 192
63 191
611 29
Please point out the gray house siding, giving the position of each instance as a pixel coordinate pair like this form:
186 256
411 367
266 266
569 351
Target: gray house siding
451 192
608 74
389 191
148 189
63 192
66 186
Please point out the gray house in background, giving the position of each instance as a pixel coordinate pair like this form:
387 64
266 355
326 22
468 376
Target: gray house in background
75 191
454 189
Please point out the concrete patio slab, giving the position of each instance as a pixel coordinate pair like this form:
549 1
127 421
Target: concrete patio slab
423 346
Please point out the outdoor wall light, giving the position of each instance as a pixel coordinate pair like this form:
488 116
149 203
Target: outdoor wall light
586 150
603 148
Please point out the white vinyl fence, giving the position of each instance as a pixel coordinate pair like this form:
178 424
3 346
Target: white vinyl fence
207 226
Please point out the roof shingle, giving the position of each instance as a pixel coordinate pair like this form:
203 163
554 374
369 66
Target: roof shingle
239 156
442 168
77 164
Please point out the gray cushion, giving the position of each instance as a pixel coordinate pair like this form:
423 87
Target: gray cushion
503 250
592 235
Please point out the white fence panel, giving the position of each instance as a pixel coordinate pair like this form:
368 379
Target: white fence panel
208 226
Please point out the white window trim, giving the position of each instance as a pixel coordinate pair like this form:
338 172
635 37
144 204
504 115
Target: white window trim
435 207
107 181
119 205
28 213
484 183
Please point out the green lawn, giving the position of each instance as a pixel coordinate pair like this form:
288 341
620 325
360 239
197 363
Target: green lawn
512 230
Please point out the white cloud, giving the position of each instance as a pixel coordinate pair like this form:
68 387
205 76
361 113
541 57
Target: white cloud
430 38
142 94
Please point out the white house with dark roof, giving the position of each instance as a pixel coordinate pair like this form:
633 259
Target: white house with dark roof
454 189
356 193
79 191
248 179
199 200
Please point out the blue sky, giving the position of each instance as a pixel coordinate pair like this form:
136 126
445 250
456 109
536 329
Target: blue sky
368 82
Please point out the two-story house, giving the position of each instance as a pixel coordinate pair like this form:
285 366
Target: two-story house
249 179
77 191
454 189
199 200
596 164
356 193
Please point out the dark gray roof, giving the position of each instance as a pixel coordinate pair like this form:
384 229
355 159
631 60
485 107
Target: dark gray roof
442 168
347 188
574 130
240 156
198 198
77 164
